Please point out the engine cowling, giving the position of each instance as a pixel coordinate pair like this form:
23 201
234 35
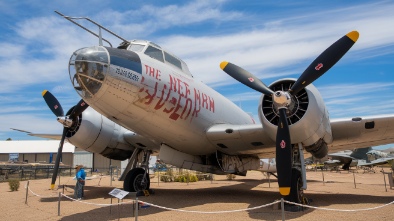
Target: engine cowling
308 118
97 134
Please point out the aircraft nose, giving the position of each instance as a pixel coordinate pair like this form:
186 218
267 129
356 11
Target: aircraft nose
88 68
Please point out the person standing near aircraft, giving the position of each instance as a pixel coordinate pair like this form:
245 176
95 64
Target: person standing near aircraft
79 186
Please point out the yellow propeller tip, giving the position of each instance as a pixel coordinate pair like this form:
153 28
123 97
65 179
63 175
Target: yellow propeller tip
284 191
223 64
44 92
353 35
52 186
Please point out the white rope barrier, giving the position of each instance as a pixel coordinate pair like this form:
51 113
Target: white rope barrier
217 212
340 210
35 194
209 212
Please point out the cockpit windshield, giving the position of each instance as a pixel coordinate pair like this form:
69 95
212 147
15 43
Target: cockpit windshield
156 52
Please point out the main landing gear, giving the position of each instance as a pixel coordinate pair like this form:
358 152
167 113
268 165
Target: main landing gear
137 178
298 180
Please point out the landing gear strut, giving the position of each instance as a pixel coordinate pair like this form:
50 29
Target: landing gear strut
137 179
298 177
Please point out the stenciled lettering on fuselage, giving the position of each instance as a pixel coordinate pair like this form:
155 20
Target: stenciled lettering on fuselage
176 97
128 74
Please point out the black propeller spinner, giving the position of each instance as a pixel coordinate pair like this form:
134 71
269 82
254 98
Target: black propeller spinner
282 99
67 122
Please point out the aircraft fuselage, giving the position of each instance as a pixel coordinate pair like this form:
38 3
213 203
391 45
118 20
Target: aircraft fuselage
152 98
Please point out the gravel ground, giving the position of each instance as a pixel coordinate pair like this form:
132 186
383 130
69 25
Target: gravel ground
338 192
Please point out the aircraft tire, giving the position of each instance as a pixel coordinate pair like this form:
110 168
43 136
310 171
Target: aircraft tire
132 182
296 192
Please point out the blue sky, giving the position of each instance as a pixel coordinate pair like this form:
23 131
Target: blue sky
272 39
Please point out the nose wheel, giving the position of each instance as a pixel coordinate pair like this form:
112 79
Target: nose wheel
136 180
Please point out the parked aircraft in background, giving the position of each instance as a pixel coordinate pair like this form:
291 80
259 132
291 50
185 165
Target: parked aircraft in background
377 158
347 158
140 100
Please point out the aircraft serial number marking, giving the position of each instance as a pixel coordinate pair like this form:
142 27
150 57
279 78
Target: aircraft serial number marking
127 73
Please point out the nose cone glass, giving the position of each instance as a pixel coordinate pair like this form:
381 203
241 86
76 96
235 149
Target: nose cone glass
88 68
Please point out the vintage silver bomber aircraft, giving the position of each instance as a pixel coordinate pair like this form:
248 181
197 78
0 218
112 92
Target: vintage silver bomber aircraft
140 100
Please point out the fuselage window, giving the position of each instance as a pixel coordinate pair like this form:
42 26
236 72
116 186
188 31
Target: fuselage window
154 53
173 60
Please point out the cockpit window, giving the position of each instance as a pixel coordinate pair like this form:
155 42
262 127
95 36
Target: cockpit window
154 53
136 47
173 60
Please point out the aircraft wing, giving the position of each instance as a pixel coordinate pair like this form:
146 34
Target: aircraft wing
362 132
380 161
47 136
242 139
347 134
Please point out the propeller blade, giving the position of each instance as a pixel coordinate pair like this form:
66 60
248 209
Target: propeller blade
245 77
58 157
283 154
53 103
325 61
78 109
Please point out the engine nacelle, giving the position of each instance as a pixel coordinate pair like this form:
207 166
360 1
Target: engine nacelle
308 118
97 134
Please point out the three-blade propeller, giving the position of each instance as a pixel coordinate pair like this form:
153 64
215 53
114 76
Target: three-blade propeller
57 109
282 99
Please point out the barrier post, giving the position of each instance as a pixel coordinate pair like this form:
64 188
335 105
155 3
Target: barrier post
110 172
58 204
118 210
110 207
354 178
27 191
136 209
282 206
384 177
322 173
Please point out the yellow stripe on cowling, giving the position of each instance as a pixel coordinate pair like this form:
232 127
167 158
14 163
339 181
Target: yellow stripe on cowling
223 64
44 92
353 35
52 186
284 191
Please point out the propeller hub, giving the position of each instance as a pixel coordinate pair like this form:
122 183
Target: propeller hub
281 99
66 121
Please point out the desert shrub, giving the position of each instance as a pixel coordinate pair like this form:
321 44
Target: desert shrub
203 176
168 176
193 178
183 178
230 176
14 185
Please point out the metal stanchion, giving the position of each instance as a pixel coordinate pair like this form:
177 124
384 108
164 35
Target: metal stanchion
136 209
110 172
58 204
322 173
384 177
282 205
27 190
269 180
354 178
118 209
110 207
